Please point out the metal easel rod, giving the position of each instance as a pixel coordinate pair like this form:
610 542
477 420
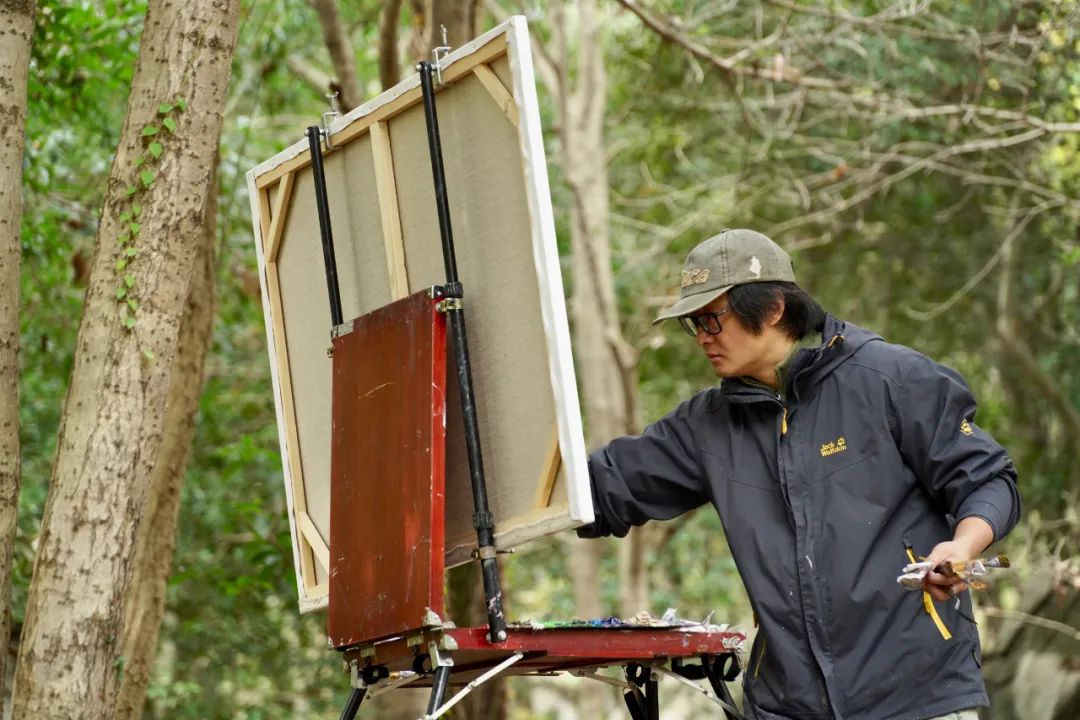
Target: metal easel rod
482 517
323 206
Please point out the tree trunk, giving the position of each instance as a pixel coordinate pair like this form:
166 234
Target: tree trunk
157 533
341 53
112 433
389 62
604 361
459 17
18 18
573 69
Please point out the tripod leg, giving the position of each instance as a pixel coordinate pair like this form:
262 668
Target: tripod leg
632 698
438 688
652 698
353 705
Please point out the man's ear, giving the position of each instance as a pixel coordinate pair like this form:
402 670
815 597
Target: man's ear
775 311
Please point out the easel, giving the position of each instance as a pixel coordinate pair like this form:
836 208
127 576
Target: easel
386 532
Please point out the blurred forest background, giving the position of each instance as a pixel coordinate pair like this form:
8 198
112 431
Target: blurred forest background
921 160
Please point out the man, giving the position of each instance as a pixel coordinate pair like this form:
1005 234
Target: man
833 459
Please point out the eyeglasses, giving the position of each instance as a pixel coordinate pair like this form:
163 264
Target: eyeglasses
709 322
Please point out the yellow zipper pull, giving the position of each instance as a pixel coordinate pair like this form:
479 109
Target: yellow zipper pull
783 423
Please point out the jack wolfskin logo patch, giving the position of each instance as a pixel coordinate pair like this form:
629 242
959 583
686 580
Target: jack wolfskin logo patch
965 427
694 276
832 448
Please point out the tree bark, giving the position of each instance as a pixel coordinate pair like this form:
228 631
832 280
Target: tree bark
457 16
341 53
157 532
18 18
389 64
112 432
574 71
605 362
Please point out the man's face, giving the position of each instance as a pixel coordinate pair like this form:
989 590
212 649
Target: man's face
734 351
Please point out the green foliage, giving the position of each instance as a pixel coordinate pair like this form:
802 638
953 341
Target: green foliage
691 150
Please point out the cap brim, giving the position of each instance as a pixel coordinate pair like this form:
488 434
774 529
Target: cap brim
690 304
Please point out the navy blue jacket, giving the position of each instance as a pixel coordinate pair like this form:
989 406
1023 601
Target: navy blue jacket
872 449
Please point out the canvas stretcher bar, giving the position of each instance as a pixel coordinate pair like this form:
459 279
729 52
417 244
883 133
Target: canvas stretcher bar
386 237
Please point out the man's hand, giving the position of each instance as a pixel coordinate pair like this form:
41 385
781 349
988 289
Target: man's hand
972 536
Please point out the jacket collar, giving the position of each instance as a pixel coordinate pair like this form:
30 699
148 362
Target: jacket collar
809 365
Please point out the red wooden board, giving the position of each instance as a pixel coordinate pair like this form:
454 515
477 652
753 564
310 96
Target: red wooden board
387 472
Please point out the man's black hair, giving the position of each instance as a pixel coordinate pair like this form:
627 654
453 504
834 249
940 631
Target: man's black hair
753 301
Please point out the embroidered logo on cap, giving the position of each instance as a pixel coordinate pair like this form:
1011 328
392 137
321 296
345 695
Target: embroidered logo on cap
755 267
694 276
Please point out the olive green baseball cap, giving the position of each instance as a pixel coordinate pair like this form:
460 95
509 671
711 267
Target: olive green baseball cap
734 257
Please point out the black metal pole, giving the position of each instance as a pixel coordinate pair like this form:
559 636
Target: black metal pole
438 688
482 518
353 705
324 225
652 697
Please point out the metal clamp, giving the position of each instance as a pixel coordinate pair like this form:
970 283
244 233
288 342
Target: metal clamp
489 551
328 117
438 54
445 306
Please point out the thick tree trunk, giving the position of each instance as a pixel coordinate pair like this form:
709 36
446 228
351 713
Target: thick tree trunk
157 532
112 433
17 16
341 53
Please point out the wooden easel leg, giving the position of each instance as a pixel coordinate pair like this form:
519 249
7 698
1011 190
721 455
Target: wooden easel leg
438 688
353 705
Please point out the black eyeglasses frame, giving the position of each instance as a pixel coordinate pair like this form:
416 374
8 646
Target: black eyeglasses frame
709 322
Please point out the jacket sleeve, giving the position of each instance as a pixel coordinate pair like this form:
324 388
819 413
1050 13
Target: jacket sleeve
964 469
653 476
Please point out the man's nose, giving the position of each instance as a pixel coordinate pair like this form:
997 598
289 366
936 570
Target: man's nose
703 338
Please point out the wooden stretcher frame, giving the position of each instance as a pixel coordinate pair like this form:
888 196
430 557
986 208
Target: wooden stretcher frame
272 188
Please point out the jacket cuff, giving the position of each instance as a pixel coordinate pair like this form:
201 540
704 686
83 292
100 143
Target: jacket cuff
996 502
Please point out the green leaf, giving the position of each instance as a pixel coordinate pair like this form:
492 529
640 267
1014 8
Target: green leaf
155 149
129 322
164 108
124 237
121 264
169 124
121 293
181 104
136 209
131 252
130 190
149 131
129 280
131 303
135 228
147 177
140 160
125 216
